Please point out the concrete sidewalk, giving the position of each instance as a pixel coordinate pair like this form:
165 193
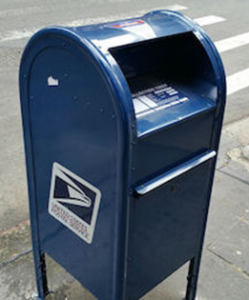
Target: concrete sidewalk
225 265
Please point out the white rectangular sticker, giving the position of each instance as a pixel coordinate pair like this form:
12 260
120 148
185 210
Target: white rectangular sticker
157 98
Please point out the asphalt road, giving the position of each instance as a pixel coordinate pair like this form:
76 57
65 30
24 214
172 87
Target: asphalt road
20 19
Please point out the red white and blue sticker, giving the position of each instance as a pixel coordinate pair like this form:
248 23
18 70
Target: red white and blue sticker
136 26
74 202
127 23
132 31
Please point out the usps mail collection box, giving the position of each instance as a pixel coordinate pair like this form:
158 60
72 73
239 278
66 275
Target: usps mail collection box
121 123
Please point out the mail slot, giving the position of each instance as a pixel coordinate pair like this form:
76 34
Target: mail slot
122 123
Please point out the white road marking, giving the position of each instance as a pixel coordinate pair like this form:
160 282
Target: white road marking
26 33
110 18
18 11
175 7
209 20
233 42
237 81
17 35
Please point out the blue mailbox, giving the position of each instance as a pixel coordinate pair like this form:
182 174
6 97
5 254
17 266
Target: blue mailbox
122 122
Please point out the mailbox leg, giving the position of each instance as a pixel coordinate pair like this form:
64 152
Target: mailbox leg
41 276
193 274
195 262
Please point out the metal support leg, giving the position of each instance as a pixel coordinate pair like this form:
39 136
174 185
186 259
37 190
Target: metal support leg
194 266
193 274
41 277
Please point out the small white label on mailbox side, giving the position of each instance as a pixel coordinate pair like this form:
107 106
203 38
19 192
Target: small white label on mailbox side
74 202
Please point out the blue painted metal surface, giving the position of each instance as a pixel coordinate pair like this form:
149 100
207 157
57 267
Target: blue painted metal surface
85 120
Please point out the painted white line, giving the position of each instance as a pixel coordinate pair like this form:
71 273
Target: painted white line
237 81
18 11
175 7
209 20
110 18
26 33
17 35
233 42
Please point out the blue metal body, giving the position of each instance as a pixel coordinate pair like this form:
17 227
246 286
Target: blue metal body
154 171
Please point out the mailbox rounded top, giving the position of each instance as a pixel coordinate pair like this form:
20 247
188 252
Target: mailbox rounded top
99 42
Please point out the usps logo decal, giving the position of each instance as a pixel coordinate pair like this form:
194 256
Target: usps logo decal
74 202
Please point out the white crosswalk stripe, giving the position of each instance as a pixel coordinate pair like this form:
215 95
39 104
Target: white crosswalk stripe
175 7
18 12
26 33
20 34
209 20
237 81
233 42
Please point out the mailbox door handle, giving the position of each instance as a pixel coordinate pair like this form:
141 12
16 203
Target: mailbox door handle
173 173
